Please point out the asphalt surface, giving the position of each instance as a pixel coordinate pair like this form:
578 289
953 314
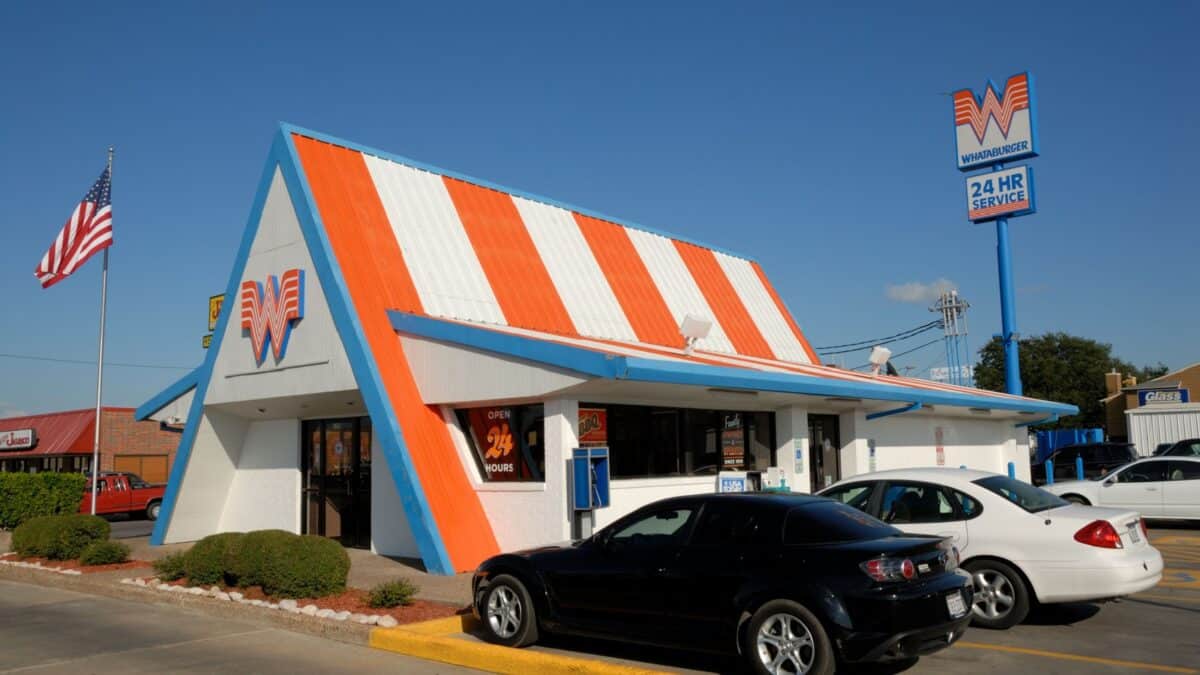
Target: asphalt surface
1152 632
47 630
123 527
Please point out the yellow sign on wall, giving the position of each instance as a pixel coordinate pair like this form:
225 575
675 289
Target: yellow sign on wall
206 341
214 311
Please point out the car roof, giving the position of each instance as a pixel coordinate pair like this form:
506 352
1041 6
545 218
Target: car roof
1165 458
773 499
932 474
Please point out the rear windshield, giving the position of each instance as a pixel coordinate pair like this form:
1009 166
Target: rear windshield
827 522
1023 495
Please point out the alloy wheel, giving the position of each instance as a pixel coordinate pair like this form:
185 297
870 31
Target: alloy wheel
785 645
504 612
994 594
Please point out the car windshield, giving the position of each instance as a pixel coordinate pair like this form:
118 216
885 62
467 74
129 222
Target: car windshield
1024 495
828 522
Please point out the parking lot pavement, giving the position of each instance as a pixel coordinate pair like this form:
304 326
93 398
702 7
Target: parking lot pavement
124 527
47 630
1153 632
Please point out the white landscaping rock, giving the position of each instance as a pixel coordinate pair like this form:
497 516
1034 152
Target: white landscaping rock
139 582
196 590
342 615
372 620
387 621
325 613
358 618
214 590
163 587
272 605
126 581
309 610
237 597
288 604
222 596
76 573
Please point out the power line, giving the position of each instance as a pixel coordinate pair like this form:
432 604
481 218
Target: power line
82 362
933 325
876 340
904 353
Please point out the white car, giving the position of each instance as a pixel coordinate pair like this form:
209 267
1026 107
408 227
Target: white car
1156 487
1020 544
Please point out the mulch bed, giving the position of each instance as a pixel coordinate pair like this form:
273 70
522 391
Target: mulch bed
353 600
74 564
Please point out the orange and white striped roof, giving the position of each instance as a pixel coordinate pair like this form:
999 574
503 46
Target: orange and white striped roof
478 253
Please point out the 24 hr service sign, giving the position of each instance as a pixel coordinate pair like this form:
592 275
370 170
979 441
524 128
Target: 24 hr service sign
1000 194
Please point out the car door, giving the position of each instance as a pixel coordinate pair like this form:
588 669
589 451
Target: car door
1181 491
923 508
731 543
613 586
857 495
1138 486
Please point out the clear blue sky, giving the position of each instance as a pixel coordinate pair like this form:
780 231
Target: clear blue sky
815 139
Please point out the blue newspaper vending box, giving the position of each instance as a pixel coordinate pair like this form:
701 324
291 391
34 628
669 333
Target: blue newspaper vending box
589 478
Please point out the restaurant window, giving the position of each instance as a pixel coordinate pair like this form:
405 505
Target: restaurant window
646 442
507 442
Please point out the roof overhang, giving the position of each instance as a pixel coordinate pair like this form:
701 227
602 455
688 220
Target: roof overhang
616 371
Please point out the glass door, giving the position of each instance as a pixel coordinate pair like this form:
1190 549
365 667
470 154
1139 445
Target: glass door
824 451
336 459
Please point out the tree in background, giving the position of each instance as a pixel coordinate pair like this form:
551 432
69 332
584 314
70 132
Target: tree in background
1064 368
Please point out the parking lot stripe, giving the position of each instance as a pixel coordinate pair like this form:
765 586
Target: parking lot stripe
1164 598
1064 656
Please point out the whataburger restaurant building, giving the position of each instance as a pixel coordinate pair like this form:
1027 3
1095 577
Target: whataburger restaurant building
410 357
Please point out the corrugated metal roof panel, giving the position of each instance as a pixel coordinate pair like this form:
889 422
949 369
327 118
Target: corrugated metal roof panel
61 433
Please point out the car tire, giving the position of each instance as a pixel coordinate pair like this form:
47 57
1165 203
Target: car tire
1001 596
152 510
507 612
782 631
1076 499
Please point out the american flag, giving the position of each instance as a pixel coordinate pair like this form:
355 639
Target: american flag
87 232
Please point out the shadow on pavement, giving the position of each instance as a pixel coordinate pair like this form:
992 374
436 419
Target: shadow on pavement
1061 615
660 656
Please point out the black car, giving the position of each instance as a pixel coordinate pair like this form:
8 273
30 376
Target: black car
1098 459
1188 447
794 583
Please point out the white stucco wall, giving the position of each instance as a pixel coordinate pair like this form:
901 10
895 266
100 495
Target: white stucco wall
904 441
210 471
390 533
315 360
265 493
791 435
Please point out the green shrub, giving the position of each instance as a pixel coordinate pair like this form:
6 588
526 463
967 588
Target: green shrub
254 550
305 567
104 553
29 495
171 566
59 537
392 594
212 559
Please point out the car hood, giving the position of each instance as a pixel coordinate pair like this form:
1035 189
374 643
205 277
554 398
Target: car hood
1066 485
548 548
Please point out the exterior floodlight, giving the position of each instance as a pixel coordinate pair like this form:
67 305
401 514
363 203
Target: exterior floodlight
693 328
879 356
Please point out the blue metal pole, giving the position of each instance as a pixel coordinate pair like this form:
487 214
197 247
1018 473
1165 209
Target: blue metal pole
1008 310
1079 467
1049 472
1012 470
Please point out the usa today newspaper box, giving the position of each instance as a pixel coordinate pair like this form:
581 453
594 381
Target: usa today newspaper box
589 486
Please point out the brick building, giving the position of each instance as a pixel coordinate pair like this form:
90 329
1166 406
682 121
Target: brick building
62 441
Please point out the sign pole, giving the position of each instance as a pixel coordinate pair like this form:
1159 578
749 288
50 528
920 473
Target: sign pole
100 361
1008 311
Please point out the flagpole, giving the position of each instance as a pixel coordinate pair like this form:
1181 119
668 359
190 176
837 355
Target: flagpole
100 361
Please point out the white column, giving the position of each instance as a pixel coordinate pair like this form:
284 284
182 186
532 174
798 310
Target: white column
562 435
791 452
852 427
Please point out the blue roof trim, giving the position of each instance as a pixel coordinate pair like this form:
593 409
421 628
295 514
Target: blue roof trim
204 372
383 418
501 188
164 398
599 364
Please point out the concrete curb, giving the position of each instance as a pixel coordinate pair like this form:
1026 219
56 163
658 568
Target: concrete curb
107 585
436 641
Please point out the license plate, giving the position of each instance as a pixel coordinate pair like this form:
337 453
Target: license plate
956 605
1133 531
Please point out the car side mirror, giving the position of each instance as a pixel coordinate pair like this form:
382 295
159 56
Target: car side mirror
1109 482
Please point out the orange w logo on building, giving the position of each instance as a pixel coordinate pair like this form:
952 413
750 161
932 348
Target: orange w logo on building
269 311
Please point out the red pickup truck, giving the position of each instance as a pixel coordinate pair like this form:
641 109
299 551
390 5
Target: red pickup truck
124 493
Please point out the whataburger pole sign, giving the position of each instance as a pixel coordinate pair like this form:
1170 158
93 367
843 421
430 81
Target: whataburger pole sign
990 129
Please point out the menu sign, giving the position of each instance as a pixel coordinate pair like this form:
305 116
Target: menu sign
593 427
733 442
18 439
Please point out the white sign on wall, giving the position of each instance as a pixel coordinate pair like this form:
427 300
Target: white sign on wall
999 194
18 439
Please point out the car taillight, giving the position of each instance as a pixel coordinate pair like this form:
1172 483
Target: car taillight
1099 533
889 569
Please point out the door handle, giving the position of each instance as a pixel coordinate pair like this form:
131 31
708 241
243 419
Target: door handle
1151 489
